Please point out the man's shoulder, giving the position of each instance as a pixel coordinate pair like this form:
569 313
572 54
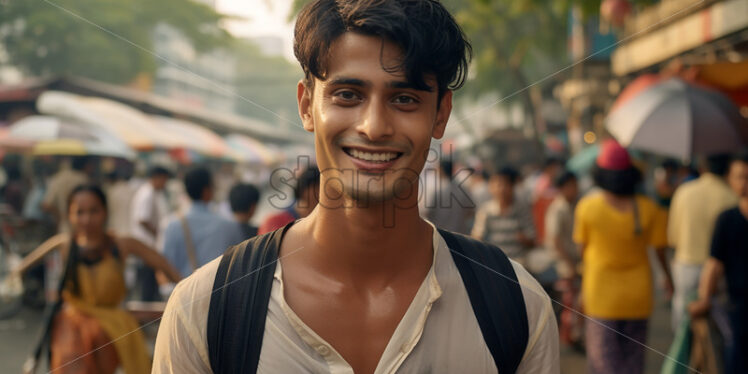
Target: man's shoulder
173 223
593 199
558 205
690 186
729 215
142 192
191 297
537 301
534 295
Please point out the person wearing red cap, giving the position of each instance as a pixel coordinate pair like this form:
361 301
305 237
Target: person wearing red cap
614 227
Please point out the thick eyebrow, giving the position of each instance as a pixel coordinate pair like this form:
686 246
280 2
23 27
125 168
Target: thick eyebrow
408 85
343 81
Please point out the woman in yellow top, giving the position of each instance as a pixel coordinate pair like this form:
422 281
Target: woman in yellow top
614 228
91 333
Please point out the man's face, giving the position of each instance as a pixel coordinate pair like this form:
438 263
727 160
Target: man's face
159 181
738 178
372 128
570 190
502 188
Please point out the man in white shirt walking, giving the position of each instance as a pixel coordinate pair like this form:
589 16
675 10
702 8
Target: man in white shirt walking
149 207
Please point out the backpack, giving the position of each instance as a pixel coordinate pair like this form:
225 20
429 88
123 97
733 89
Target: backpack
241 295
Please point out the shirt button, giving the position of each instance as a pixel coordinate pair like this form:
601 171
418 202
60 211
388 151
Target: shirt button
404 348
324 351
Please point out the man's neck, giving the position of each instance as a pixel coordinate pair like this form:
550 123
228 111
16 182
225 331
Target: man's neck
242 218
368 243
505 204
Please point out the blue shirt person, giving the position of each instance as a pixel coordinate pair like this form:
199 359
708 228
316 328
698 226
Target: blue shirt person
209 233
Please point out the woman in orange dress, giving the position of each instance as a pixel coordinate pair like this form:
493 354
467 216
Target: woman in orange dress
91 332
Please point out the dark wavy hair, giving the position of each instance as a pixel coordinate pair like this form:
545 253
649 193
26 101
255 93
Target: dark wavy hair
431 40
619 182
242 197
92 189
196 181
308 178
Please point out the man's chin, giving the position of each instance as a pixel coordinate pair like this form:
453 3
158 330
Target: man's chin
377 195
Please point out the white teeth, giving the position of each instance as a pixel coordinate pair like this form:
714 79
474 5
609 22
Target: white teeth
367 156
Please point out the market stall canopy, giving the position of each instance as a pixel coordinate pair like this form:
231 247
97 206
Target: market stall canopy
677 119
151 103
729 77
63 136
11 143
133 127
195 137
251 150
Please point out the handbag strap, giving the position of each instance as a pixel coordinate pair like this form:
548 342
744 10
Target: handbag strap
637 219
189 245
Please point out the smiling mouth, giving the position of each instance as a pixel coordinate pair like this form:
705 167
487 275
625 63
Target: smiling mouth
376 157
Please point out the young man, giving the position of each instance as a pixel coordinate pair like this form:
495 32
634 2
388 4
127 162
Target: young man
693 212
505 221
147 210
729 258
363 284
559 241
149 206
243 198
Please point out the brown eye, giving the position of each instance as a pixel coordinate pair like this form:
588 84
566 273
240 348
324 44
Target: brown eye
404 99
346 97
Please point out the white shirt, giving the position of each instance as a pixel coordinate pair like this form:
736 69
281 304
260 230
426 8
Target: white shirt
438 333
119 196
148 205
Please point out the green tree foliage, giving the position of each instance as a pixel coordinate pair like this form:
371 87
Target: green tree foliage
107 40
269 81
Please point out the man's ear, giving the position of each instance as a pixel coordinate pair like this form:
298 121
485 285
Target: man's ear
304 99
442 115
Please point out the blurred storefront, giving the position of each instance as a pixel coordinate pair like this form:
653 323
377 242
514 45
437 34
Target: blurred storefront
701 41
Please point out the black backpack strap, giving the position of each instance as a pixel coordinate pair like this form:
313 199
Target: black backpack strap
239 303
496 297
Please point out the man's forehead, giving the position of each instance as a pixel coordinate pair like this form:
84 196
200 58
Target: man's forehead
351 58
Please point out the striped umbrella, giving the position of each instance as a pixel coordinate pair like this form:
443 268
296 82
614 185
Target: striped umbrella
64 136
251 150
677 119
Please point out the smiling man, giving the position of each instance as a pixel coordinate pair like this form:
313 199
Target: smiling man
363 284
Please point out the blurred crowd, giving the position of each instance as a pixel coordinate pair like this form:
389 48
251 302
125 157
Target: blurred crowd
591 239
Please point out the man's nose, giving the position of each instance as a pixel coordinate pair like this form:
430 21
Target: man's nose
376 123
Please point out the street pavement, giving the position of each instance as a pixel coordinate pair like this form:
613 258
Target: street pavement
18 334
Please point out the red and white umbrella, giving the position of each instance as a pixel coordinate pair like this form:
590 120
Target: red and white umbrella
677 119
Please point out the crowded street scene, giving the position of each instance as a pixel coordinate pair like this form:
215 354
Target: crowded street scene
361 186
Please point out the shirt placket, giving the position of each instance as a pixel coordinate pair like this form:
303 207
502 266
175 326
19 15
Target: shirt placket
408 339
335 362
